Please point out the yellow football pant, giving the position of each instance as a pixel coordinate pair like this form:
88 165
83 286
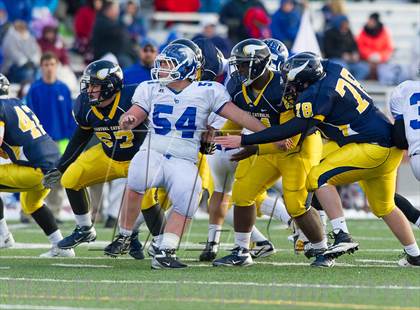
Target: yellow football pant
94 167
373 166
258 173
26 180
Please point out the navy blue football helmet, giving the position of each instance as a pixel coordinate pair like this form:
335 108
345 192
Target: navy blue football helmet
249 60
279 53
175 62
107 75
4 85
212 63
302 70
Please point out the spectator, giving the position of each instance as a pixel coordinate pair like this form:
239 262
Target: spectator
4 22
177 5
375 44
132 21
51 42
50 100
211 6
109 36
209 32
256 22
232 15
19 10
332 9
285 22
83 25
140 71
21 54
341 47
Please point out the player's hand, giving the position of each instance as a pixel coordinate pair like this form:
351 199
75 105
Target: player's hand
232 142
127 121
245 152
285 145
52 179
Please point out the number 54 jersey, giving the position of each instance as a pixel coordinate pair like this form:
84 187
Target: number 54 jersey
177 119
346 111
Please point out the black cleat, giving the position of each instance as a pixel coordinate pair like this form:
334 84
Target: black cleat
262 249
209 253
238 257
323 261
166 259
120 246
153 248
343 243
409 261
136 248
81 234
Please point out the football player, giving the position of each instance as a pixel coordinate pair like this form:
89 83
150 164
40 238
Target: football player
259 91
405 108
223 172
102 101
21 131
360 149
177 107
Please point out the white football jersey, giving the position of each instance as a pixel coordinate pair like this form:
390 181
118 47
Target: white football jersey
177 120
405 103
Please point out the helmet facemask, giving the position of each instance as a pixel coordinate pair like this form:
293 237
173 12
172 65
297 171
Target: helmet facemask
167 70
247 69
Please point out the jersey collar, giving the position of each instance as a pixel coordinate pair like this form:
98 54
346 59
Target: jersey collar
113 109
257 100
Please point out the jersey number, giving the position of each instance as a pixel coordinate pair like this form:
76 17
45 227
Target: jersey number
126 136
29 122
185 124
415 100
304 110
347 81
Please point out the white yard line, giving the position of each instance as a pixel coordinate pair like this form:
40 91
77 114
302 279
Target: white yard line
81 266
379 261
31 307
4 267
220 283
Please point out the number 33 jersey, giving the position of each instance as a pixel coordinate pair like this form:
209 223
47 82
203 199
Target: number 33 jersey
346 111
120 145
177 119
23 131
405 103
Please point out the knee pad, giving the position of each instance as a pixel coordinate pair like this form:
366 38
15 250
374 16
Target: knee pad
71 178
382 209
32 201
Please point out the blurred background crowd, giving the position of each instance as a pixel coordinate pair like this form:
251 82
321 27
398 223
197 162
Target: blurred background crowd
45 44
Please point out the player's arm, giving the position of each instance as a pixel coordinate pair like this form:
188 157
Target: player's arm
77 144
275 133
133 117
240 117
398 134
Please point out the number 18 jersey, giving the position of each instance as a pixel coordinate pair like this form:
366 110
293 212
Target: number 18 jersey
346 111
177 119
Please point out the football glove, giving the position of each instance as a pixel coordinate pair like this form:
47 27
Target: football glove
52 178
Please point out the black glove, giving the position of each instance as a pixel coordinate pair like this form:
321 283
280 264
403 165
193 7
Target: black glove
245 152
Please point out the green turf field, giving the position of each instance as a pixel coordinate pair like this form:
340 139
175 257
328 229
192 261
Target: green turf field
370 279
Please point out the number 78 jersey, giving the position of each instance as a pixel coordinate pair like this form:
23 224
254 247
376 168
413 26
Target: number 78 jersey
346 111
177 119
405 103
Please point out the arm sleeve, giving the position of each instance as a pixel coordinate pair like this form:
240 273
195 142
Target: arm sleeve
218 97
77 144
398 135
141 97
280 132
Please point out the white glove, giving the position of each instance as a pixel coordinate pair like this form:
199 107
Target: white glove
52 179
